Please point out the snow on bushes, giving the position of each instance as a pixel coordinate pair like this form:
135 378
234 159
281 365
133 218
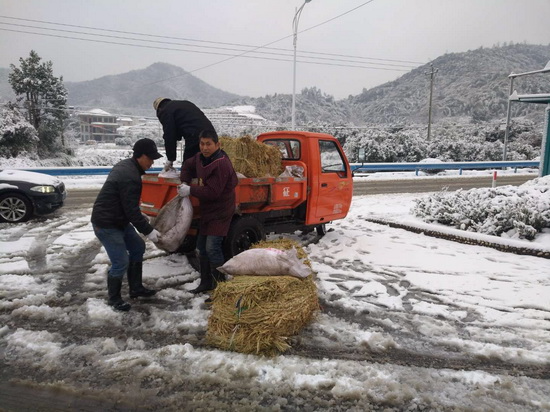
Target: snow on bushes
17 135
450 141
518 212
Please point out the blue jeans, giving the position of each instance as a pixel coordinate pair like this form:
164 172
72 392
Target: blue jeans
211 247
122 246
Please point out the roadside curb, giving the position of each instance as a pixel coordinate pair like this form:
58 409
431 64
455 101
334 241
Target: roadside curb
464 239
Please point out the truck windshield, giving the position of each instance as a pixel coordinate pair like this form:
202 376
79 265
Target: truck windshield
331 158
290 149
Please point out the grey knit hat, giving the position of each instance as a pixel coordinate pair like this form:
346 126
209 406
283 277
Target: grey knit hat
158 101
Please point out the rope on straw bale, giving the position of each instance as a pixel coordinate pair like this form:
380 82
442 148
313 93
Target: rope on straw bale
258 314
252 158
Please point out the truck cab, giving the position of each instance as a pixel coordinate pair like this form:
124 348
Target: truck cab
329 177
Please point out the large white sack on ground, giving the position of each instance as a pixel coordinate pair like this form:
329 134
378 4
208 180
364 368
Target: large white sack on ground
266 262
173 222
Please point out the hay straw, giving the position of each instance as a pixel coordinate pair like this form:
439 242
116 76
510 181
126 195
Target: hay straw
252 158
258 314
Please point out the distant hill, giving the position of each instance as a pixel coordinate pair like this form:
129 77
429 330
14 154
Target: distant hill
472 85
134 92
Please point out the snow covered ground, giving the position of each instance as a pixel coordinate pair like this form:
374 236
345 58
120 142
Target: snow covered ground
408 322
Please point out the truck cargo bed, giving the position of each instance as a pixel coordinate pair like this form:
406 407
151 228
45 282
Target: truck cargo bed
252 194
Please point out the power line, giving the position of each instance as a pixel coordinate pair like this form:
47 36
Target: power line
191 45
243 54
203 52
214 42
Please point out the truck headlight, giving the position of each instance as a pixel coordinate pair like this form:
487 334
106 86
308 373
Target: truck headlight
43 189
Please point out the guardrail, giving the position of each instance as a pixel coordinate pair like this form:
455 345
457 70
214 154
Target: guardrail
355 167
79 171
416 166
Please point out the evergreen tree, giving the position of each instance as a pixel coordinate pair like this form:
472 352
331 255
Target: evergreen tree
44 98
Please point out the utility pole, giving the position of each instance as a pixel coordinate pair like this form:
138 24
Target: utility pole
432 73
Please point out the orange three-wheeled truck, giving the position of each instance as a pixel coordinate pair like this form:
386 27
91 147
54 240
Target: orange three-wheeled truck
275 204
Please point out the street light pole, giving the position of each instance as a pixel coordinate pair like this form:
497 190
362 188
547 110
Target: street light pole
507 130
512 76
295 32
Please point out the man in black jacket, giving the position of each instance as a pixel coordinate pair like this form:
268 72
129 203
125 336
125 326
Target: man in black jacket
181 118
116 216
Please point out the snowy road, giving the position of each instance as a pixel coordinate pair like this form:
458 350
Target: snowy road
408 322
79 198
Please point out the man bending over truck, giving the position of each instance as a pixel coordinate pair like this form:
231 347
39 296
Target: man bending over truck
216 192
180 118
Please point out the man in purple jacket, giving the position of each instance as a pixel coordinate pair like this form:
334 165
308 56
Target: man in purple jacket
216 192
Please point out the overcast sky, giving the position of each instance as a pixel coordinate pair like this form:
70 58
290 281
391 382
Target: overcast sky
386 37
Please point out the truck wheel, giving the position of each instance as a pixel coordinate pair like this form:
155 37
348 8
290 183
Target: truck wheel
321 229
243 232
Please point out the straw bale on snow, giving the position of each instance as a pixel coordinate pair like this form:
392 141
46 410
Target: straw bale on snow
258 314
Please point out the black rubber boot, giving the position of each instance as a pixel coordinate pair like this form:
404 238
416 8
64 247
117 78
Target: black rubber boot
193 260
115 300
135 275
216 274
207 281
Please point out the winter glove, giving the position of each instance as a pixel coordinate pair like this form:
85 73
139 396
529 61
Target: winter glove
168 171
154 236
184 190
169 165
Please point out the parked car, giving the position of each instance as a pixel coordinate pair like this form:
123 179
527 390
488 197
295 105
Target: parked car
25 194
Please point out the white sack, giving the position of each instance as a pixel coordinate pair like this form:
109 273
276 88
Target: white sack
266 262
170 174
173 222
293 171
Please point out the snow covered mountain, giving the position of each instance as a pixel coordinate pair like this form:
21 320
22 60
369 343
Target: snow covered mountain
473 85
133 92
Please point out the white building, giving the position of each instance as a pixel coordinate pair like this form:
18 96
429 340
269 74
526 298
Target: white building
98 125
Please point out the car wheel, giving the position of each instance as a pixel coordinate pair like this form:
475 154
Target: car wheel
243 233
15 208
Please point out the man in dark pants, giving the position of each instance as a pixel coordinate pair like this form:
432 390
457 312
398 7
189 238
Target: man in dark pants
180 118
216 192
116 216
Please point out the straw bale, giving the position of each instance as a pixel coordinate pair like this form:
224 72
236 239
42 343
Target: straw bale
258 314
252 158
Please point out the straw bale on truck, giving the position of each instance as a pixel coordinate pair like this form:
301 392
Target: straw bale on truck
259 314
252 158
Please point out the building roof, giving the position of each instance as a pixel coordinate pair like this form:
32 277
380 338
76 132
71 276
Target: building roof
97 112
